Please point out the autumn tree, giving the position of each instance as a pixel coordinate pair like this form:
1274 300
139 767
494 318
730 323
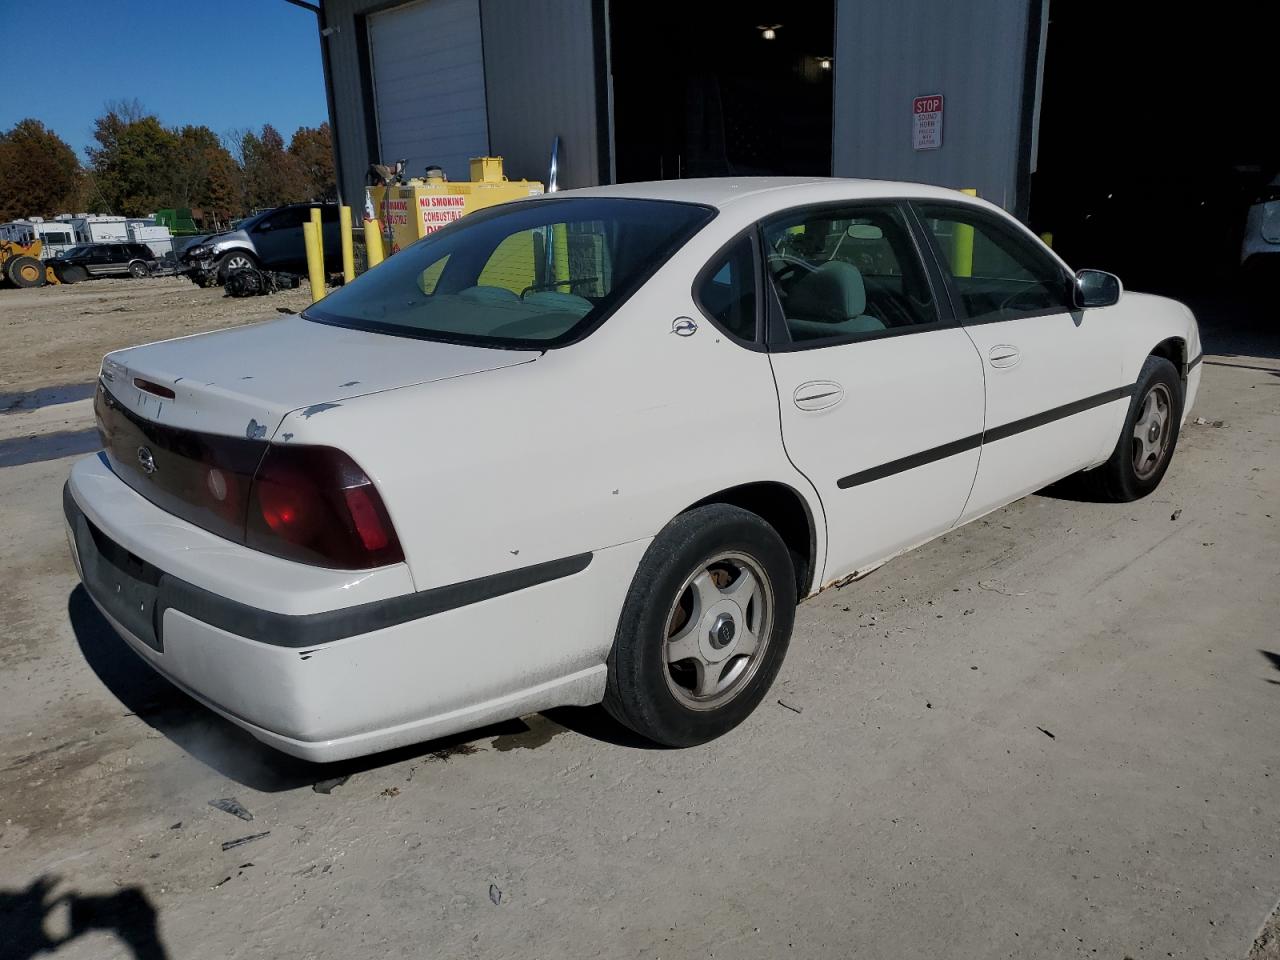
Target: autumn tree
312 151
205 174
270 173
39 172
135 163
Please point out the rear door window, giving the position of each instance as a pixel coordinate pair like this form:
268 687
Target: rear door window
843 273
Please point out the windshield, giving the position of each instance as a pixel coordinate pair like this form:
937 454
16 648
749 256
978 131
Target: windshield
537 273
79 251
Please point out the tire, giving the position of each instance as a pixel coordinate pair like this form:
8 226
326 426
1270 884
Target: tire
1138 463
234 260
138 270
684 598
24 271
73 274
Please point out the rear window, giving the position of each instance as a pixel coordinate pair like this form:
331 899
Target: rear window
539 273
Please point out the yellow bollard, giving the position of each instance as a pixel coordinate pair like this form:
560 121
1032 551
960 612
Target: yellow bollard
372 243
560 234
315 259
962 245
348 253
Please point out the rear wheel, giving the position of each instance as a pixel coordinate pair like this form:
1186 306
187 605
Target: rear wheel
1148 439
704 627
24 271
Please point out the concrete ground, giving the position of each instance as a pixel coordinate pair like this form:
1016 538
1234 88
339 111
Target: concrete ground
1052 733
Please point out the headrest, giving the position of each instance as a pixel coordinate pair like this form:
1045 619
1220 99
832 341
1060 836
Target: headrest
831 293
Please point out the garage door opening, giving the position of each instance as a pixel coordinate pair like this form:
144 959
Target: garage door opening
1157 131
699 90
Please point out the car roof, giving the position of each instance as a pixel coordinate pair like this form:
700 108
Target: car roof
722 192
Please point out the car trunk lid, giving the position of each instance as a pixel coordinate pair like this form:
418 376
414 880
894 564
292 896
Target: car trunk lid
242 382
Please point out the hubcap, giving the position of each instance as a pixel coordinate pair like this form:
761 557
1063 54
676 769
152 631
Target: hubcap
717 631
1151 431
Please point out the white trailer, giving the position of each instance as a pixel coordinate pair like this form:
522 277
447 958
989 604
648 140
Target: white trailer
95 228
57 237
158 238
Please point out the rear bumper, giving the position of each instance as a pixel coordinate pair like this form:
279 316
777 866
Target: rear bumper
348 680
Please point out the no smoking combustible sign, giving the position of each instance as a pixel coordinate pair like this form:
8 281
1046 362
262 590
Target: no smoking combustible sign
926 122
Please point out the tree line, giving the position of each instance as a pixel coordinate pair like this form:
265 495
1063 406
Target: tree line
137 166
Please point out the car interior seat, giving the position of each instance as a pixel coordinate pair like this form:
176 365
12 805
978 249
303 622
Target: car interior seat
830 302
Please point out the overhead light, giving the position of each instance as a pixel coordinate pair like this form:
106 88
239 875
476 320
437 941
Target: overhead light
769 31
826 62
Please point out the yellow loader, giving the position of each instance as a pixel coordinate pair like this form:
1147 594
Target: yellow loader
21 266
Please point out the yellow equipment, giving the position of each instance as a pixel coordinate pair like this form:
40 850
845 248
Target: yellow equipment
413 209
21 266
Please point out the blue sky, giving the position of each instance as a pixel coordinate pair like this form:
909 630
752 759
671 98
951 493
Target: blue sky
223 63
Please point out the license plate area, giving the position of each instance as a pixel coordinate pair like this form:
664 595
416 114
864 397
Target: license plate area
125 585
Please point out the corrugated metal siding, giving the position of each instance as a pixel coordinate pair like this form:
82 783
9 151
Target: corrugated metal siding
428 82
348 95
972 53
540 80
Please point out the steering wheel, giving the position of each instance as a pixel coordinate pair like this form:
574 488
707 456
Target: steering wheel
552 284
1007 302
785 269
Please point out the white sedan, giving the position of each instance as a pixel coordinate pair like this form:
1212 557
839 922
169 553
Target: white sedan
595 447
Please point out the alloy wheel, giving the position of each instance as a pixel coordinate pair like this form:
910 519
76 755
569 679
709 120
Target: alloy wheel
718 630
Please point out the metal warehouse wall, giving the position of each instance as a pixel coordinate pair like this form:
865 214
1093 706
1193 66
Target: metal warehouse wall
976 55
348 94
541 79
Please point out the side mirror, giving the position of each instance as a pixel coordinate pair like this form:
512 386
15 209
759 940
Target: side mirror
1097 288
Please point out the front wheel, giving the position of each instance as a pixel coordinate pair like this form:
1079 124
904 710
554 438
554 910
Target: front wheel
235 260
138 270
73 274
1148 439
24 271
704 627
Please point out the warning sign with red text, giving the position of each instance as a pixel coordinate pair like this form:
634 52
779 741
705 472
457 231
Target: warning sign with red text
926 122
439 210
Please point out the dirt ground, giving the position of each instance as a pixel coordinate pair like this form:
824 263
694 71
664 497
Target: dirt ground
1051 733
58 334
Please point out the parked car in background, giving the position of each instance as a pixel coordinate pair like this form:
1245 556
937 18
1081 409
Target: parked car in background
1260 251
595 446
104 260
269 241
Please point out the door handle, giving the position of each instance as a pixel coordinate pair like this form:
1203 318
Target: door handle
818 394
1004 356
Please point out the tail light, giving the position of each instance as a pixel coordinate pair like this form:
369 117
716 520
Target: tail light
316 506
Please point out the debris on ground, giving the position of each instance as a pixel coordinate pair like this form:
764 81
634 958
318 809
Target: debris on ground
176 826
391 792
229 805
221 882
241 841
995 586
495 895
461 749
928 705
783 703
327 786
1176 514
1046 733
1202 422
